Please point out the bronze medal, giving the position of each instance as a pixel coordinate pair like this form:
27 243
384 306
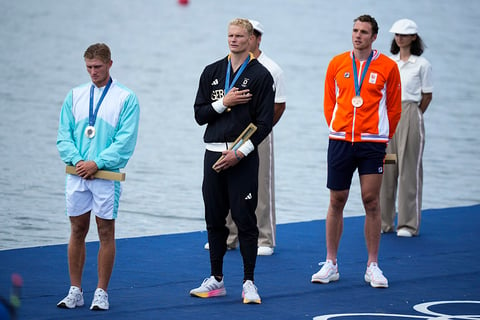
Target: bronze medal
357 101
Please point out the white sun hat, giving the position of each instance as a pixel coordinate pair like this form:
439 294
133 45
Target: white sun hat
256 25
404 26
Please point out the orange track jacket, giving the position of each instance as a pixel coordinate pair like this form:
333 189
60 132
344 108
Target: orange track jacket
377 119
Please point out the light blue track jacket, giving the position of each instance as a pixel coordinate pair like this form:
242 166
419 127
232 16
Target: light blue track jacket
116 127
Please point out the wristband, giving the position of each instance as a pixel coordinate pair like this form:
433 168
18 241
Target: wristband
236 156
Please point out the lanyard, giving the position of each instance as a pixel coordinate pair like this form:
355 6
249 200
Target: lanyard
227 80
92 116
358 86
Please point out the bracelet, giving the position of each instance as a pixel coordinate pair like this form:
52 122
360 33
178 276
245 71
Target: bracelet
236 156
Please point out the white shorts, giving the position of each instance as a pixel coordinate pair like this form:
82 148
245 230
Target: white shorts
99 196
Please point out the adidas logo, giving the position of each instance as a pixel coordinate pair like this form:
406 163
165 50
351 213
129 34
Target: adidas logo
248 197
215 82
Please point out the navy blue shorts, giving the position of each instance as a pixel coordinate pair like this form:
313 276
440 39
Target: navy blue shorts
345 157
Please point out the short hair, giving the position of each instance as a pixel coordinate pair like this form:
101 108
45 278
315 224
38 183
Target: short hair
98 50
244 23
257 33
370 19
416 48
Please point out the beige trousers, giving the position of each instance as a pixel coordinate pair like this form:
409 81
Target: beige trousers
407 174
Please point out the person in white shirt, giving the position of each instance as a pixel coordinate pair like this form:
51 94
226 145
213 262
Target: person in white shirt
409 139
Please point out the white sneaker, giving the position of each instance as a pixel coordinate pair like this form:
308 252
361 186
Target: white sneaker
100 300
250 293
264 251
375 276
229 247
73 299
404 233
328 272
210 287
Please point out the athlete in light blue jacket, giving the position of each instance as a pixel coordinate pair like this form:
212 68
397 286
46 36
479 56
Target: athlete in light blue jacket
97 131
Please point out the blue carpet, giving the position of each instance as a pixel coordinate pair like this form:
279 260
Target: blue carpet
153 275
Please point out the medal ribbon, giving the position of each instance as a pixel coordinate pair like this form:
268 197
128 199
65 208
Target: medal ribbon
358 86
92 116
227 80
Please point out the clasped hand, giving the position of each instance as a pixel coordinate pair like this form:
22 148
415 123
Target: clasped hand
86 169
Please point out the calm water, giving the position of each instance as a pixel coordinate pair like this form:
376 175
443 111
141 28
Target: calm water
159 50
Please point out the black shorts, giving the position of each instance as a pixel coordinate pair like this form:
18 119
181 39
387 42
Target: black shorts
345 157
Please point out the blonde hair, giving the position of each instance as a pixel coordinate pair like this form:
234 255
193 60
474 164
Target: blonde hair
98 50
244 23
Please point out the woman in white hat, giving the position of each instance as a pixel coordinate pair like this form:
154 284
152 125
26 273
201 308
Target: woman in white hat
408 141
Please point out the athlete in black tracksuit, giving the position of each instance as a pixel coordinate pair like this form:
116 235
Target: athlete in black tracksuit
235 188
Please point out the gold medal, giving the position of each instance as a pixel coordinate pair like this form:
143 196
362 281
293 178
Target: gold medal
357 101
90 132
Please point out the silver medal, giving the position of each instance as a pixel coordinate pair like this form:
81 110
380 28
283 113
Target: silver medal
90 132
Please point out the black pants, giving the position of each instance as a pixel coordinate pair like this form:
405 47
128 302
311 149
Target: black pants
234 189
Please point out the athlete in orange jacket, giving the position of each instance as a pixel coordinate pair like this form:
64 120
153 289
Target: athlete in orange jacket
362 106
377 118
